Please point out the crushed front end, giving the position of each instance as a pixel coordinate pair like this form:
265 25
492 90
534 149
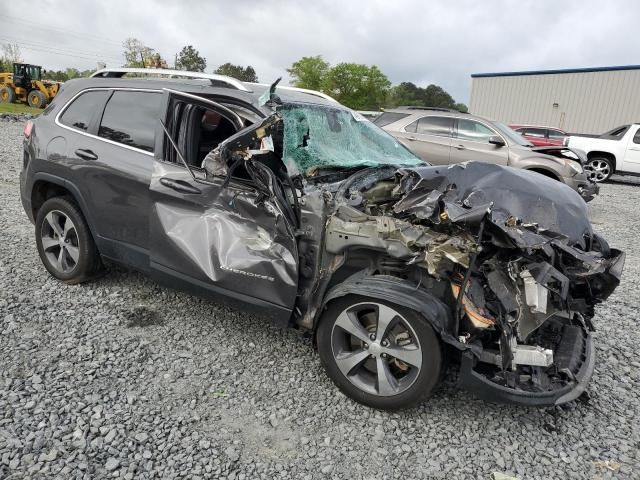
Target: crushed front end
522 267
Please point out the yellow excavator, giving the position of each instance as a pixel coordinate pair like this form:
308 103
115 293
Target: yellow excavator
25 84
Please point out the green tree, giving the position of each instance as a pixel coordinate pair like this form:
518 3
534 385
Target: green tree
357 86
56 75
189 59
408 93
309 72
461 107
136 54
72 73
245 74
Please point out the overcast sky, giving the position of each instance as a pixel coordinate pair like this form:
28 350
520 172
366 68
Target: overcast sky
424 42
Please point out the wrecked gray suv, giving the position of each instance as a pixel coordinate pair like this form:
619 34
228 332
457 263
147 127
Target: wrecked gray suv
287 203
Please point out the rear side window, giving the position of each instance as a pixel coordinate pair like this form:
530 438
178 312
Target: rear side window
130 118
441 126
389 117
534 132
636 137
79 114
616 134
556 134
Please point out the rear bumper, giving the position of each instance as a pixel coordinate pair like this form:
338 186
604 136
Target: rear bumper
25 198
491 392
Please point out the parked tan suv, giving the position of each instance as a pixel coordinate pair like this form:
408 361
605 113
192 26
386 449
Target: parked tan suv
442 137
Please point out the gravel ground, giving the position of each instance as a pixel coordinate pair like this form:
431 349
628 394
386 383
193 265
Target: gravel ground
121 378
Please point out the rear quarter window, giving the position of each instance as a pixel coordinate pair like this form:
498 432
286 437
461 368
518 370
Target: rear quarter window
82 109
389 117
130 118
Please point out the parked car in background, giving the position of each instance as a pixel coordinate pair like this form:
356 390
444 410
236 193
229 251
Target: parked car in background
541 136
370 115
441 137
615 151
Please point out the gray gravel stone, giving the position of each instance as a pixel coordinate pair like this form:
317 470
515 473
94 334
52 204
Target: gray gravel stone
242 399
112 464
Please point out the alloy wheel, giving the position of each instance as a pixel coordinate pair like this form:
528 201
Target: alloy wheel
60 241
376 349
597 170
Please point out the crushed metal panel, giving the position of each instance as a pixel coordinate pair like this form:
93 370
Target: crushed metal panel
228 237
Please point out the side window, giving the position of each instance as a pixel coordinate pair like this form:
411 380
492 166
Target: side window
474 131
636 137
389 117
79 114
556 134
441 126
196 129
130 118
412 127
535 132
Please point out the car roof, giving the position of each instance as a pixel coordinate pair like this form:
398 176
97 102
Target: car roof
434 111
446 112
201 86
518 125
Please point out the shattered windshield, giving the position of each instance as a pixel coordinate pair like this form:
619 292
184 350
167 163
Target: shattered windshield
323 136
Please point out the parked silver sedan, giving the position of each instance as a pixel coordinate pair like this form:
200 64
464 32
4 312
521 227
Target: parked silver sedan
441 137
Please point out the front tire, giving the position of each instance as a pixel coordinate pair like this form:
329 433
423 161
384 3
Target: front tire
64 242
599 169
36 99
379 354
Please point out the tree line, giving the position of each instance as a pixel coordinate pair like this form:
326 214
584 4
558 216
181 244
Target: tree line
364 87
358 86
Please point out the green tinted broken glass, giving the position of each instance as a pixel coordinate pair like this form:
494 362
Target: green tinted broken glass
323 136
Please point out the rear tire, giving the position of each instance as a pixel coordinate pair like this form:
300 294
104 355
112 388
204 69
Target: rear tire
599 169
65 243
7 95
390 371
36 99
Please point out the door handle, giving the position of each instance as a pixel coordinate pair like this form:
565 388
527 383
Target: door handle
461 147
179 186
86 154
412 139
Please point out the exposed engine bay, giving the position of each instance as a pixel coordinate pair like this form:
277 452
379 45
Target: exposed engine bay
510 253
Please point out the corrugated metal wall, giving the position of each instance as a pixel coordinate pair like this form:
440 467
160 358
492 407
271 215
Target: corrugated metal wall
590 102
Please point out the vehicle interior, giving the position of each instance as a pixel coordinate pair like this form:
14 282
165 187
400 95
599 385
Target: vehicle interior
197 130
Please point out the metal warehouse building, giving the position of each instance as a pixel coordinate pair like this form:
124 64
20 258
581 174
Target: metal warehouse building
582 100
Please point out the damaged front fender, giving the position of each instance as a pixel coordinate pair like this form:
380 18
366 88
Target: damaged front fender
523 267
401 292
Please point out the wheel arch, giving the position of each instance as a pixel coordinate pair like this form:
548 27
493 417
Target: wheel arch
600 153
46 186
401 292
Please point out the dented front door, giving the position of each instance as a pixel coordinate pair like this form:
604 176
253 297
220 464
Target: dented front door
221 240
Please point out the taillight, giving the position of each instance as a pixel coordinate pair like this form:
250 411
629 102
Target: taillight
28 127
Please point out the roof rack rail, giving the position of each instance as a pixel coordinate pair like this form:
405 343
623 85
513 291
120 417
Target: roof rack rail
215 79
296 89
437 109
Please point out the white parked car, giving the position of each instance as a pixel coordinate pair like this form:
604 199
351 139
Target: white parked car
616 151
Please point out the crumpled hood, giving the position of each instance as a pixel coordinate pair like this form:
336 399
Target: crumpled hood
465 191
